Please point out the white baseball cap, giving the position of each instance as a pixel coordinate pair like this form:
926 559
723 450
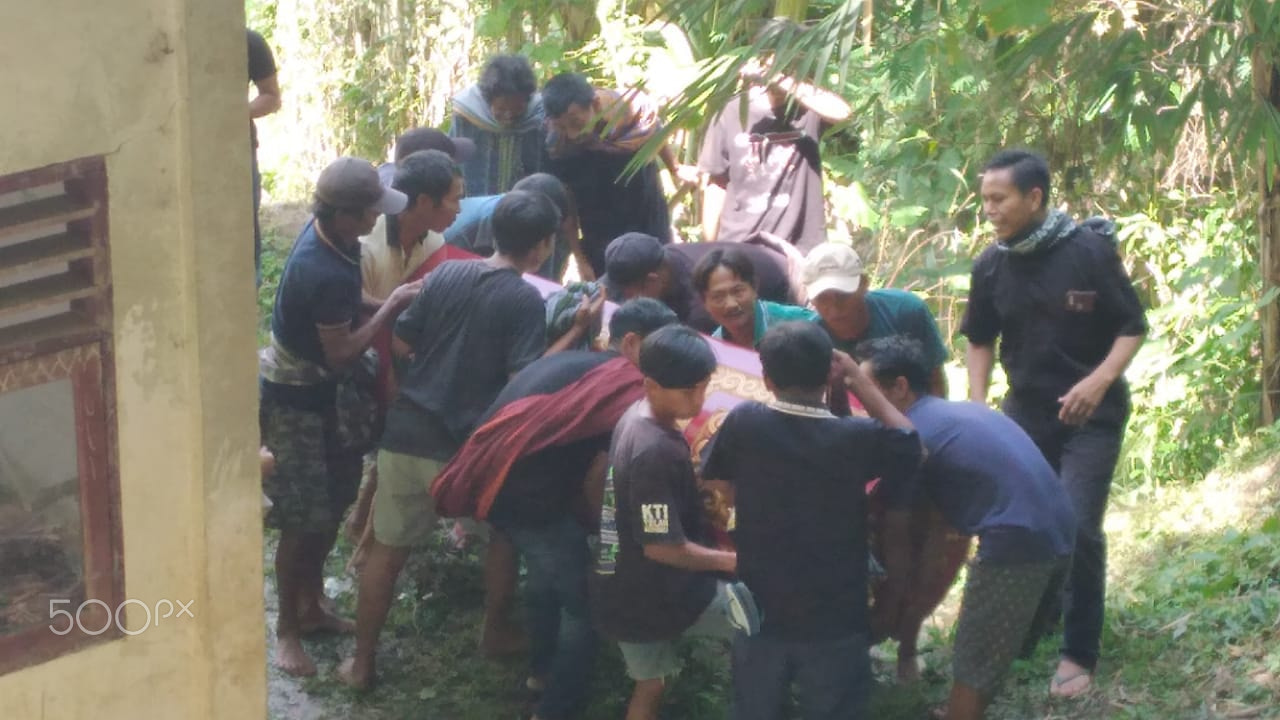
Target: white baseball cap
832 266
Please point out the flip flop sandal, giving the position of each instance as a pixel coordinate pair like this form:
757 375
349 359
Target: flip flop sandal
1059 683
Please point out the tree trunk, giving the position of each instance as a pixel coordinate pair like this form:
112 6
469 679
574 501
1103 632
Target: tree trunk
1267 83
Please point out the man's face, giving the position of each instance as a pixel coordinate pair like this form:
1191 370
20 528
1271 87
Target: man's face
680 403
777 100
508 109
898 393
574 122
730 301
1009 209
355 223
840 311
442 215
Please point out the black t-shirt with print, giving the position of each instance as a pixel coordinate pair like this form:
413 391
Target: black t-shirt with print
1057 314
800 519
651 497
471 327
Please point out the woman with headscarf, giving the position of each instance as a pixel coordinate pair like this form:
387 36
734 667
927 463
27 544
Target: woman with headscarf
502 114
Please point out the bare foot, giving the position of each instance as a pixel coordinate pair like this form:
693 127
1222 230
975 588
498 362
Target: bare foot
509 640
323 619
1071 680
358 680
292 659
908 670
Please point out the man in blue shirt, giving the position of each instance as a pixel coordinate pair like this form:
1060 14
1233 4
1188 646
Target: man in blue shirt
989 479
472 230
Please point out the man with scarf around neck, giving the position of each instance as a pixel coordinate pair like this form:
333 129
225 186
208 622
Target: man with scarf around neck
593 135
1069 323
502 114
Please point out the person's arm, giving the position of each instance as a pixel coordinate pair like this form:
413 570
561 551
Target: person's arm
981 325
868 393
713 195
692 556
586 318
268 99
1082 399
891 597
343 346
979 360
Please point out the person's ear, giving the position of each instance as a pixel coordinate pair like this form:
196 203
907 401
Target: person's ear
863 283
1037 198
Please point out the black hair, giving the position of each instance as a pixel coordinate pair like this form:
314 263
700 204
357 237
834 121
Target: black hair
641 316
323 211
894 357
734 259
676 357
796 355
521 220
550 186
426 172
507 75
564 90
1029 170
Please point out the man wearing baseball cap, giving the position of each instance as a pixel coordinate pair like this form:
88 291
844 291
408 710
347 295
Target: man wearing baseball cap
316 340
639 265
836 282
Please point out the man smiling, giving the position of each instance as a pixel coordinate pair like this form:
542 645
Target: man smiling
1070 322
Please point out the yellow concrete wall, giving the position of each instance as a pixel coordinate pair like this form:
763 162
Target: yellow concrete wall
158 86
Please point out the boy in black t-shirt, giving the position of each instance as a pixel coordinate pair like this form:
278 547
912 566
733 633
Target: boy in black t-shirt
799 476
655 578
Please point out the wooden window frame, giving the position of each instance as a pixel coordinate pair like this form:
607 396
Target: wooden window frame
75 345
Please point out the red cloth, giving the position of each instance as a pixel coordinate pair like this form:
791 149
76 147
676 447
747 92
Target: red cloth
591 406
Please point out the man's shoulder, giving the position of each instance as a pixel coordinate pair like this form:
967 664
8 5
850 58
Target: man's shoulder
896 298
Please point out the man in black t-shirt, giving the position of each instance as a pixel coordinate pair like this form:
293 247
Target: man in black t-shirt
655 576
541 505
799 478
474 325
315 341
639 265
262 73
1069 322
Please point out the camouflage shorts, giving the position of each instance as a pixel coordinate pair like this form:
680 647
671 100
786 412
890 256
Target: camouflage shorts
312 487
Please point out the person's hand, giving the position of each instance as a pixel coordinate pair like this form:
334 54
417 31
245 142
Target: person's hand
754 71
688 174
589 310
585 271
844 367
404 294
1080 401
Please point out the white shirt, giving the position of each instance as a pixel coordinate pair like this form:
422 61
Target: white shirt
384 266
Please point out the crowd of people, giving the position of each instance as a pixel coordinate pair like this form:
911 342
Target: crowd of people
415 373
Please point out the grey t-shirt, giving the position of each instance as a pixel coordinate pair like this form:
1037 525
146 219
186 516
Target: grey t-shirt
774 172
470 329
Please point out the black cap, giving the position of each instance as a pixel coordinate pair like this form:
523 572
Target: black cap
630 257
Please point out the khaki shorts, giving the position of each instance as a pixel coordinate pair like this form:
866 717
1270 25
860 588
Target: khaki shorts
403 512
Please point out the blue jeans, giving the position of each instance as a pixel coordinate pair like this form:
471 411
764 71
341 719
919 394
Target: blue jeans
1085 459
562 642
832 677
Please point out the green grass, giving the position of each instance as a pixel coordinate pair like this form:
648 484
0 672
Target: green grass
1193 626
